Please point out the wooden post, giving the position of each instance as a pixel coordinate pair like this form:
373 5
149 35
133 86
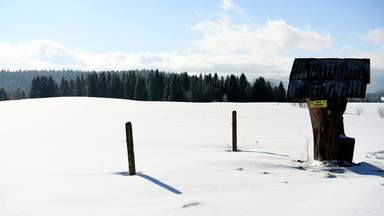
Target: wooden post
131 155
234 131
347 145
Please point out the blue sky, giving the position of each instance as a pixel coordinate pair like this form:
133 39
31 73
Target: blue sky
258 38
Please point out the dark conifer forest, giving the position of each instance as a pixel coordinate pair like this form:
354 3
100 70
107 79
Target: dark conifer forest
146 85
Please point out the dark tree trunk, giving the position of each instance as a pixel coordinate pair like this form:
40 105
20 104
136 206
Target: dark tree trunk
329 138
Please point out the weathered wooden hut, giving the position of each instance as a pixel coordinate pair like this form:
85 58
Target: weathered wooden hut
326 83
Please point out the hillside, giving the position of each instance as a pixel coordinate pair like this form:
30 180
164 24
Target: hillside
67 156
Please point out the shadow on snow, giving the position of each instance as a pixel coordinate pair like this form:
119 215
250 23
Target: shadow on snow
153 180
261 152
365 168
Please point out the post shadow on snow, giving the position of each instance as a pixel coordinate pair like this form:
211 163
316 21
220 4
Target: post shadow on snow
365 168
261 152
153 180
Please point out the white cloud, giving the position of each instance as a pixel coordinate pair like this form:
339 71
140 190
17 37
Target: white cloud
45 54
37 54
273 37
228 5
375 36
376 55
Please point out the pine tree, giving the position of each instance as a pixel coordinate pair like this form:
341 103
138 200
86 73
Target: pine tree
233 88
43 87
248 92
64 87
185 81
281 93
102 87
259 90
35 88
155 86
243 83
176 92
78 87
3 95
196 91
71 85
269 94
18 94
193 90
132 84
84 85
140 89
214 89
166 90
92 85
115 86
125 85
52 89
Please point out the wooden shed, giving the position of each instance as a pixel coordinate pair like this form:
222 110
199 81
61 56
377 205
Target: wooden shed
326 83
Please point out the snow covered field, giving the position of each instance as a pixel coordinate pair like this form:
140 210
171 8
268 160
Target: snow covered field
67 156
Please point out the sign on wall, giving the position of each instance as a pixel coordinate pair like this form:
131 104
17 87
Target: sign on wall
318 104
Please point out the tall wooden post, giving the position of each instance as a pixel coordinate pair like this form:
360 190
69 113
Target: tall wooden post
131 155
234 131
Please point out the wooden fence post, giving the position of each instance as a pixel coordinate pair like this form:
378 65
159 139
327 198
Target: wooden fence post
234 131
131 155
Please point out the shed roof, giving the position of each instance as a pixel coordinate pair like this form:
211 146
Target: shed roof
329 78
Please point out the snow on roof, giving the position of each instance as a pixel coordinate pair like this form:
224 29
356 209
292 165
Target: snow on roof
329 78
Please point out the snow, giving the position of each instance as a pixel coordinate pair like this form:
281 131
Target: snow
68 156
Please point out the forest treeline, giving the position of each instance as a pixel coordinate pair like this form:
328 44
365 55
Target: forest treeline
149 85
153 86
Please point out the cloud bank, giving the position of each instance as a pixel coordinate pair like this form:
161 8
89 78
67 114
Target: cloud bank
272 38
45 54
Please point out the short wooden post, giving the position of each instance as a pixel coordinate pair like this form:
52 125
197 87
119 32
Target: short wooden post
347 145
234 131
131 155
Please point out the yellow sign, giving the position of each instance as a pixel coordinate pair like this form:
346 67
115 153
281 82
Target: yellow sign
319 104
